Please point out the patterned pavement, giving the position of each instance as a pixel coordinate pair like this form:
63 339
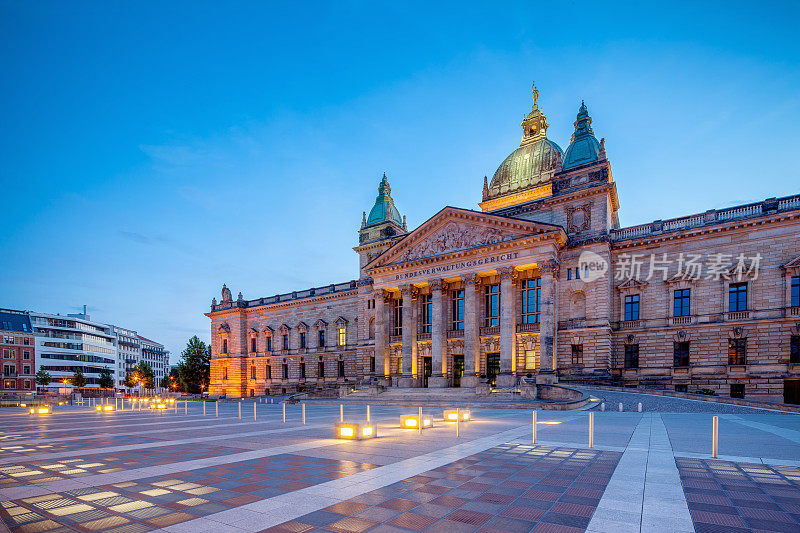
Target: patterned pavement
159 501
504 489
739 497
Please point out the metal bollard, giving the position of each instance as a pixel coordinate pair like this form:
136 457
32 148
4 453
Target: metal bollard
284 413
304 414
185 408
368 414
458 417
620 407
254 412
591 430
715 437
534 426
240 410
341 412
204 408
216 409
640 407
419 422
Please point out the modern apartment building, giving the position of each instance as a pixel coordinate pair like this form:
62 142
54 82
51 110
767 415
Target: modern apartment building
18 351
156 356
129 353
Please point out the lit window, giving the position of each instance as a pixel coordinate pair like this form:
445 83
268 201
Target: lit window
737 351
342 337
530 359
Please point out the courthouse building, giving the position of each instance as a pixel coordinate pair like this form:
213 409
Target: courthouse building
540 283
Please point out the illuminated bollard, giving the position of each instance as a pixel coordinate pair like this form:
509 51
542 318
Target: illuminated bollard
216 409
715 437
240 410
284 413
534 427
591 430
640 407
341 412
620 407
458 418
419 424
355 430
304 413
204 408
368 418
254 412
413 421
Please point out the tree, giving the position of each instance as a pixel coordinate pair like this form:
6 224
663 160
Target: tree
43 378
165 382
194 369
106 380
78 379
130 380
147 377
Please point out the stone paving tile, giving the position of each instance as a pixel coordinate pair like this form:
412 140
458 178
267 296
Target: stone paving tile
734 497
507 488
32 472
160 501
90 442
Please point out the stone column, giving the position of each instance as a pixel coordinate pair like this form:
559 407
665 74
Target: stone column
381 353
439 374
547 322
508 325
471 330
408 293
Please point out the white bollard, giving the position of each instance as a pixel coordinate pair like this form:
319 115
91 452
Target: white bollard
204 408
534 427
341 412
304 414
591 430
216 409
368 413
640 407
284 413
254 412
715 437
458 417
620 407
603 406
419 422
240 410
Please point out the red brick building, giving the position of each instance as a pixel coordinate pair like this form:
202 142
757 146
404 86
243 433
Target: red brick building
18 352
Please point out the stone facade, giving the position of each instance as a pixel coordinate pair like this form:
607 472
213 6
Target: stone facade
702 303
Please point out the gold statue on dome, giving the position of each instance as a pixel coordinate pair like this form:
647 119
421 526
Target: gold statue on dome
535 93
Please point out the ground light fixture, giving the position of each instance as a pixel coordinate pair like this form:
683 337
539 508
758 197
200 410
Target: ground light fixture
355 430
41 410
412 421
452 415
104 408
159 405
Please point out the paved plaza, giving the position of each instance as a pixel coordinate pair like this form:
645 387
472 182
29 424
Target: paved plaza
132 471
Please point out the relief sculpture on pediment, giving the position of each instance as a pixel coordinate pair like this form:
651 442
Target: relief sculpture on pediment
454 237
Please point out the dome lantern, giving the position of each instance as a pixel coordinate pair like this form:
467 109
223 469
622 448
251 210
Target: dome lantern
583 148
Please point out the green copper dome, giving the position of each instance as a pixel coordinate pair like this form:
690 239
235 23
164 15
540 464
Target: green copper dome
584 147
384 209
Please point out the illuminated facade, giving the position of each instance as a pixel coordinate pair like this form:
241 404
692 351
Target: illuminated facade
541 282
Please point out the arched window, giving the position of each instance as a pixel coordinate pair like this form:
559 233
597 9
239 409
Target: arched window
371 328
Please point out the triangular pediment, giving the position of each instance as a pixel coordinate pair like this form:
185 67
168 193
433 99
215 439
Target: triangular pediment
631 284
794 263
453 230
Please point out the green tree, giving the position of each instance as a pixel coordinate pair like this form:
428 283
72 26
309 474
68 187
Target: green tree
78 379
144 372
194 369
106 380
130 380
166 383
43 378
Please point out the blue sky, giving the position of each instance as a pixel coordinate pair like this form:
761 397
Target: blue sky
150 151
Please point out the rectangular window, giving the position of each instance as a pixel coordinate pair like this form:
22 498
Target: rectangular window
577 354
737 351
26 355
530 359
531 294
321 369
569 273
253 345
285 341
225 346
737 297
321 338
680 352
427 313
285 370
399 366
9 354
341 335
303 370
302 339
737 390
372 364
341 368
397 317
26 370
27 383
269 372
794 349
577 273
458 310
681 302
492 305
225 373
269 344
796 291
9 370
631 356
681 388
632 307
253 372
